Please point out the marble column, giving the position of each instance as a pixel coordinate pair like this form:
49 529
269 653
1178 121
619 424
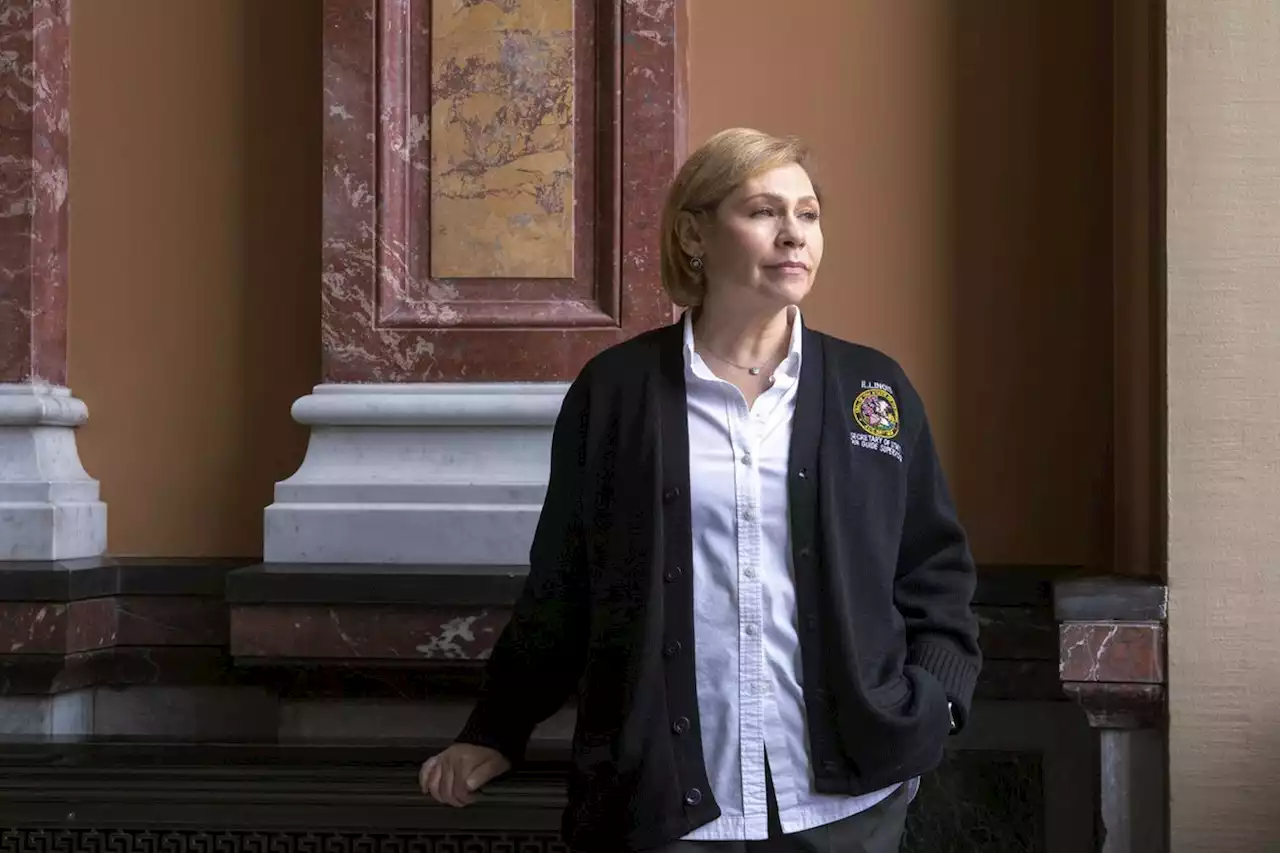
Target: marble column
49 506
1112 661
494 175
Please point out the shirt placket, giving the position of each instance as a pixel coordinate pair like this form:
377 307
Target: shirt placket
745 434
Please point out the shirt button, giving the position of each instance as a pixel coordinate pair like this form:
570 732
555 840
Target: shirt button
746 459
749 573
692 797
751 630
681 725
748 515
672 649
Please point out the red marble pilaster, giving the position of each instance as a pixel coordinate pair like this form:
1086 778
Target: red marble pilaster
386 317
34 125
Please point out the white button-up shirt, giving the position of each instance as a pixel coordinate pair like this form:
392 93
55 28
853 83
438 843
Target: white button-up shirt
746 640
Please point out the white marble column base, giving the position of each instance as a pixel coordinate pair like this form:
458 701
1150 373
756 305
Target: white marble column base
49 506
438 473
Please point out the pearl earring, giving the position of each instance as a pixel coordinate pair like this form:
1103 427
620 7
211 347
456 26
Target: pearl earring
695 264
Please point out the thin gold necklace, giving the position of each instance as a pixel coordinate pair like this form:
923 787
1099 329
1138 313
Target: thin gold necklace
754 371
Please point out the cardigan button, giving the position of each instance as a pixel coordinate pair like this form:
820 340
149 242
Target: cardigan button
803 473
673 574
681 725
692 797
671 494
831 766
671 649
805 553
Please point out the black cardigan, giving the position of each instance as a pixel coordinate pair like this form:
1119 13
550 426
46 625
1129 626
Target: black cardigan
884 581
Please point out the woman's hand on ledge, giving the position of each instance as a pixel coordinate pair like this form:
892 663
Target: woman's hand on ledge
453 776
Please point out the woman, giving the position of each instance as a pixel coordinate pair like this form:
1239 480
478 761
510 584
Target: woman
747 564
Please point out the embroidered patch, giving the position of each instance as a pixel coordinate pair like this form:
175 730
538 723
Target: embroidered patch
876 412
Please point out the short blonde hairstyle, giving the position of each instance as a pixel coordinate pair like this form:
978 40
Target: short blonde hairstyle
717 168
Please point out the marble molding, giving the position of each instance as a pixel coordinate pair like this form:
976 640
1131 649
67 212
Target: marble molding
1112 652
49 506
368 633
474 227
69 626
450 473
28 627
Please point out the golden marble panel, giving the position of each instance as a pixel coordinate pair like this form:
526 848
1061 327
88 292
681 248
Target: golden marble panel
502 146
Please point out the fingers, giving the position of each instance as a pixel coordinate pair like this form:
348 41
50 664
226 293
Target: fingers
432 773
445 780
425 773
454 786
485 771
453 776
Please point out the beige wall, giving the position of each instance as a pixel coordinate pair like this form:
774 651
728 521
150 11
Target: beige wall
195 209
1224 423
965 157
965 152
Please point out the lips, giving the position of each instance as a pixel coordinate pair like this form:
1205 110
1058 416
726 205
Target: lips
791 265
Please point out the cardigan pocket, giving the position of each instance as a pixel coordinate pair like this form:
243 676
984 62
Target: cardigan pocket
901 728
889 697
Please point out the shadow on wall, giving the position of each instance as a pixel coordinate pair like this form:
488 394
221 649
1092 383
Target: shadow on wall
283 102
1031 266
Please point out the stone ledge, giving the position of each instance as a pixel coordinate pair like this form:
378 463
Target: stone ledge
347 584
72 580
71 625
1089 599
1112 649
383 632
338 786
50 674
343 631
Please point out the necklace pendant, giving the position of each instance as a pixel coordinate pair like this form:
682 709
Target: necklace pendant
754 371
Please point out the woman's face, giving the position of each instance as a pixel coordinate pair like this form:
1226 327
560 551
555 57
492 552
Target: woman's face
764 241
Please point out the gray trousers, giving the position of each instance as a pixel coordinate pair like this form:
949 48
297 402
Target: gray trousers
876 830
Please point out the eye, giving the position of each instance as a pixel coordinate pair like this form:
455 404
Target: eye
763 211
811 215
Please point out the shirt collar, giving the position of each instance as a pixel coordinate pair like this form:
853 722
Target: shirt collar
790 363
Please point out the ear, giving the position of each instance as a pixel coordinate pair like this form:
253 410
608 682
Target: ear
689 233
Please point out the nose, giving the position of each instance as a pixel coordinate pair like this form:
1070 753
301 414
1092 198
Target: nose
790 234
791 237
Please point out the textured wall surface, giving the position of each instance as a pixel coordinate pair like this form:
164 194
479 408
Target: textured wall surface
502 153
1224 422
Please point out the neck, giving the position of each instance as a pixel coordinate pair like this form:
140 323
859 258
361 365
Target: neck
743 337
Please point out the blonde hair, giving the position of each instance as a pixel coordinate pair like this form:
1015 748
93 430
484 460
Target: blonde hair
712 172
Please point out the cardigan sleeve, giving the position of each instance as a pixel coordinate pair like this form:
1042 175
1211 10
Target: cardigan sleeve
536 663
935 580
